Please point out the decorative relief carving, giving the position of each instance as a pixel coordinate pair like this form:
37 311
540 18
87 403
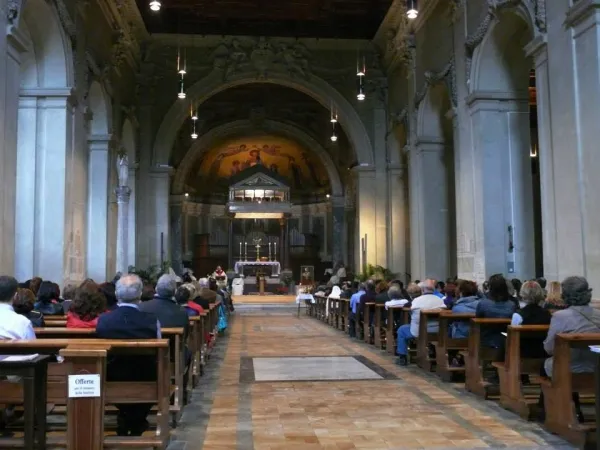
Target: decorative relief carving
66 20
400 118
12 10
540 14
262 56
447 74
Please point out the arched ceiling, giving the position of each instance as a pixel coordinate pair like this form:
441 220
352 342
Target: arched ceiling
303 170
260 102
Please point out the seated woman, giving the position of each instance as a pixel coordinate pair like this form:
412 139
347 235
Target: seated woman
467 303
48 299
23 304
579 317
498 305
532 295
86 309
108 290
184 296
554 301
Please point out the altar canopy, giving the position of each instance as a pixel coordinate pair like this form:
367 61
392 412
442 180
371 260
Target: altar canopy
259 202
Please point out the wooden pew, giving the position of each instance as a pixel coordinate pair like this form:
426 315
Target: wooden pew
344 314
115 392
477 355
378 325
558 401
368 312
390 342
424 361
512 392
50 322
445 344
177 367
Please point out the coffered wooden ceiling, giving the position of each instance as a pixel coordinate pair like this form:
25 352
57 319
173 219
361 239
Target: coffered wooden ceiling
341 19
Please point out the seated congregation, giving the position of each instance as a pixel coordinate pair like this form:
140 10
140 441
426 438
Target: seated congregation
153 338
526 345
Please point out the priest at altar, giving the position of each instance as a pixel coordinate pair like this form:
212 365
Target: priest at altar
220 276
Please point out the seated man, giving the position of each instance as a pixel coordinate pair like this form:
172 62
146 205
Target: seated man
426 301
169 313
128 322
12 326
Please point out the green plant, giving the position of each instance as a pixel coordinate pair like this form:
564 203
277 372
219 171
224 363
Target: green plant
152 273
286 280
375 273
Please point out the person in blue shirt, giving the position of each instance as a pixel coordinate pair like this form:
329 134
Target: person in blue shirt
354 302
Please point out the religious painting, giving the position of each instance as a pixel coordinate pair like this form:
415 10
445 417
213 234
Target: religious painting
307 275
299 166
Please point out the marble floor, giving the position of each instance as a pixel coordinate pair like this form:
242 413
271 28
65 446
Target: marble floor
278 381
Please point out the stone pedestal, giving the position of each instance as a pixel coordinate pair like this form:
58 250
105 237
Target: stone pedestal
123 195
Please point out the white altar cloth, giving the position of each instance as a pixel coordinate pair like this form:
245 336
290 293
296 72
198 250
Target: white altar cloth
304 297
275 266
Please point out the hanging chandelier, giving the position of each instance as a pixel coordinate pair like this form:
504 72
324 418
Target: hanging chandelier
155 5
411 9
181 70
361 72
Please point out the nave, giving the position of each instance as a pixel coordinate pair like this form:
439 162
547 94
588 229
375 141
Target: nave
279 381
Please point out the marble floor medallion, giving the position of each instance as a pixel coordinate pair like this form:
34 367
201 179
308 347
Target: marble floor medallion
308 368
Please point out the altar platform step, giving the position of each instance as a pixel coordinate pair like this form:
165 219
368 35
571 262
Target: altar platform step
264 299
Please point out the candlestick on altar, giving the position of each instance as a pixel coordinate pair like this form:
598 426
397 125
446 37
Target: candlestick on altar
275 251
246 250
241 254
269 251
258 252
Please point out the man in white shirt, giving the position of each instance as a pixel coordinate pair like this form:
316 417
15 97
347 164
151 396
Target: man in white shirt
12 325
428 300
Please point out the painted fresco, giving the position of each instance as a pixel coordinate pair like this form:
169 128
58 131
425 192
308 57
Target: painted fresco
302 169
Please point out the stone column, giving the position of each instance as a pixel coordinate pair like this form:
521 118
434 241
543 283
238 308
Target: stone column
132 217
98 198
503 183
338 213
123 195
367 212
397 254
176 214
12 45
574 60
430 244
230 246
282 241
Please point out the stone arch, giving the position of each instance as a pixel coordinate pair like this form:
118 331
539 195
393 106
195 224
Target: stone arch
128 140
48 61
431 116
499 62
206 141
44 147
99 105
499 107
315 87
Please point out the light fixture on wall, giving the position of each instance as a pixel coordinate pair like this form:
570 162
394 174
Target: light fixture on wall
411 9
155 5
181 70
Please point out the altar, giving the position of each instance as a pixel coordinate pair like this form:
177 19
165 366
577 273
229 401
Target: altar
273 265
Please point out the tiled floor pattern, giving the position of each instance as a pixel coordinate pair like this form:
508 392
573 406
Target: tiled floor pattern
408 410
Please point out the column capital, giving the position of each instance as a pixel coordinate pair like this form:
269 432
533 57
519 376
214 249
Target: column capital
123 194
580 11
537 48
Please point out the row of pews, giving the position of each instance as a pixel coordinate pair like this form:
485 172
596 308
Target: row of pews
83 353
518 384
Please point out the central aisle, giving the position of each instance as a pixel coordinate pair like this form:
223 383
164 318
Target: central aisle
289 383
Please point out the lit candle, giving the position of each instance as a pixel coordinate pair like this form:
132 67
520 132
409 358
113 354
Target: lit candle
246 248
275 251
240 249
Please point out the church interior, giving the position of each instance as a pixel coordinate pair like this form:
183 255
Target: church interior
299 224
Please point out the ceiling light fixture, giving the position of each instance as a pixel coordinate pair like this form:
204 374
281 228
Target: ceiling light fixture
334 116
181 70
155 5
186 194
194 134
193 113
411 9
361 93
333 135
181 94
